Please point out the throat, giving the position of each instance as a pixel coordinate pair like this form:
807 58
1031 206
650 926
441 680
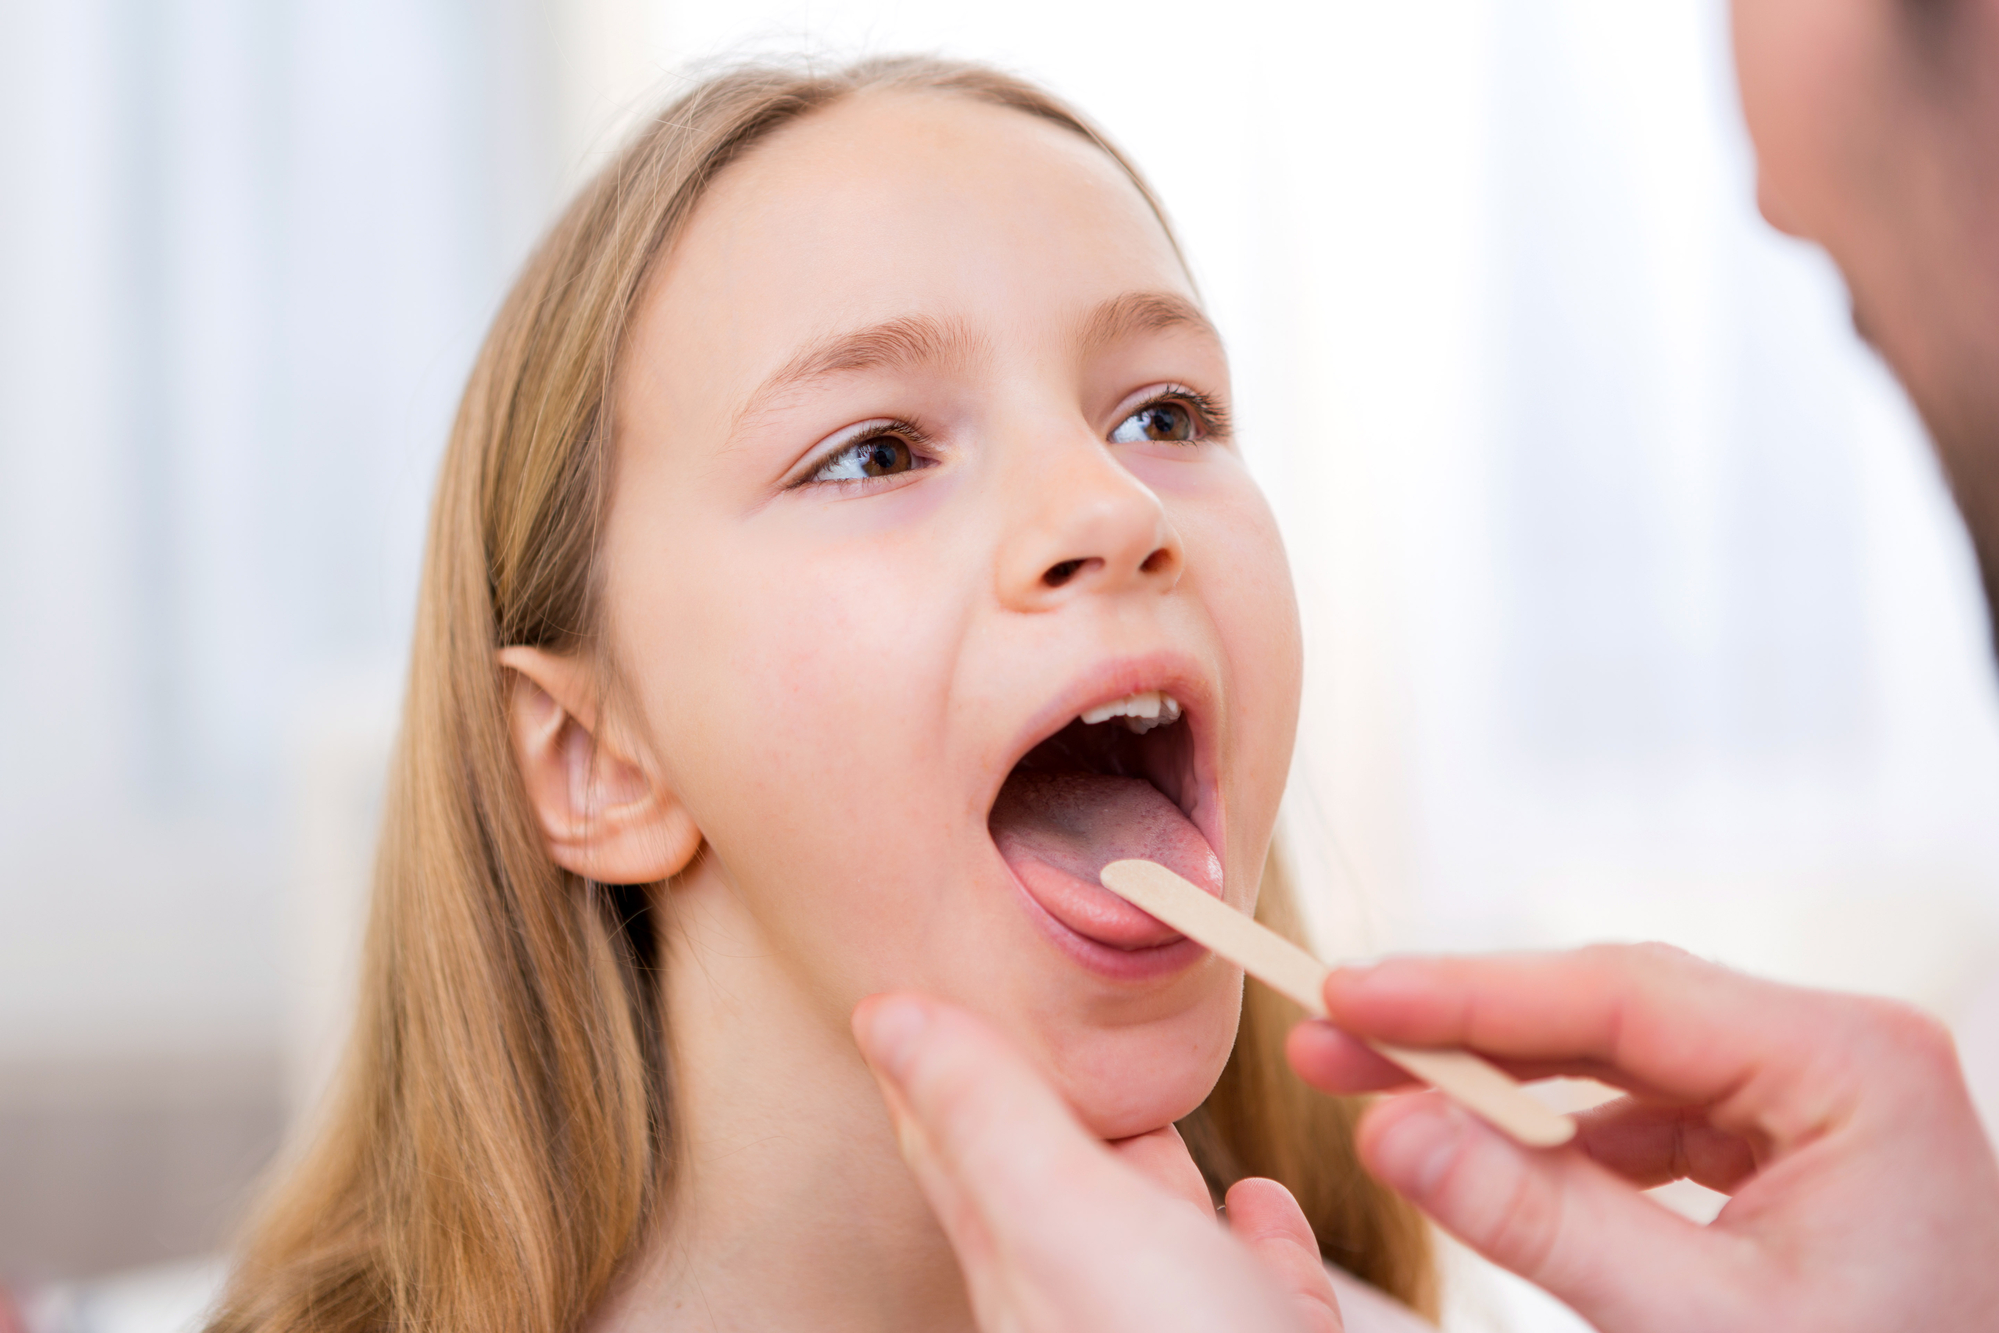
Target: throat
790 1205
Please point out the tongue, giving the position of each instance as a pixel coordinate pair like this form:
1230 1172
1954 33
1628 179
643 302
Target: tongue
1059 830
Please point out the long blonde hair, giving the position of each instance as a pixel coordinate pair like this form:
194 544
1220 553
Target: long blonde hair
497 1143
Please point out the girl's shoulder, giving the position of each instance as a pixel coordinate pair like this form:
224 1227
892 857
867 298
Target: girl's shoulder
1368 1309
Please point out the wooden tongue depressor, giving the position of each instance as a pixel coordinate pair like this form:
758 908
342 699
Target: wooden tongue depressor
1284 967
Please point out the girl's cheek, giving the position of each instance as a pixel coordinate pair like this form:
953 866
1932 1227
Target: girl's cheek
822 651
1178 472
1246 585
1236 552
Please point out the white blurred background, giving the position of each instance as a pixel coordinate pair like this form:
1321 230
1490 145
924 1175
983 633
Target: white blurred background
1637 608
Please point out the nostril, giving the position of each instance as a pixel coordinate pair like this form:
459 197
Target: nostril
1159 561
1059 574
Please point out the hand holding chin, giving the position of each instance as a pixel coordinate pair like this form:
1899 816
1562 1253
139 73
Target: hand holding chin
1260 1213
1056 1230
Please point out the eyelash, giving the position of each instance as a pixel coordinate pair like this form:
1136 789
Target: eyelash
1208 410
892 428
1209 413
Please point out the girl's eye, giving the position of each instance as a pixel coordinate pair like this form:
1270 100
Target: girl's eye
876 456
1163 420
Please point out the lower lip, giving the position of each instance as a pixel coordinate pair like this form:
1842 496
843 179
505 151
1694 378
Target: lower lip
1146 964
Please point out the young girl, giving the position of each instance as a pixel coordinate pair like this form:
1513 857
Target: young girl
840 554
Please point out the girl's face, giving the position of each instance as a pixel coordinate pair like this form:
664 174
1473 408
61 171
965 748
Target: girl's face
923 456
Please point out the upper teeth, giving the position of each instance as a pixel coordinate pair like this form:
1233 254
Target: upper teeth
1141 712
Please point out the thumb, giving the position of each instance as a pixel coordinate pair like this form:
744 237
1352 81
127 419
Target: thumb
990 1146
1263 1215
1053 1232
1161 1156
1555 1217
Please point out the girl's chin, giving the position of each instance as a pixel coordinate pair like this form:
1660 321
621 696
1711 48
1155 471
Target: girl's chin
1135 1088
1117 1115
1127 1065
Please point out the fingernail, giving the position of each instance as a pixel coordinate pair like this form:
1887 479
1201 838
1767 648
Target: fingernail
1342 981
909 1137
1414 1153
892 1029
1357 971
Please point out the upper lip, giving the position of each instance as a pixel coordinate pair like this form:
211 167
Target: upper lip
1170 672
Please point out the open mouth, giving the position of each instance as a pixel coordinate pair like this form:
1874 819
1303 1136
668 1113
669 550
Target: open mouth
1118 781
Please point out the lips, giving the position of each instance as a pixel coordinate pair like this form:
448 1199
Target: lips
1132 784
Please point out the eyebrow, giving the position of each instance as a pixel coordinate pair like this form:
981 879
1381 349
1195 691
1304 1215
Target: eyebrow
893 344
1144 312
914 340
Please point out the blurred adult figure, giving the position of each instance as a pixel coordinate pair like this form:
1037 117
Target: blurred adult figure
1865 1193
1876 125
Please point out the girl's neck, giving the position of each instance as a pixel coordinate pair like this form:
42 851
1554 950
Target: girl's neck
790 1206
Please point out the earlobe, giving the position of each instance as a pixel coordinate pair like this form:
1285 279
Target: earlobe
604 813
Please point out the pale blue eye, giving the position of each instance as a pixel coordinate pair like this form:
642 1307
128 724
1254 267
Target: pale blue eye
1163 420
877 456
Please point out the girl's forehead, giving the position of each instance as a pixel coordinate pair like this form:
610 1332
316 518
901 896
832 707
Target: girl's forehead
903 205
923 144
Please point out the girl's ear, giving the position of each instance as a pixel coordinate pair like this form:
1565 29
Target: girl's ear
602 814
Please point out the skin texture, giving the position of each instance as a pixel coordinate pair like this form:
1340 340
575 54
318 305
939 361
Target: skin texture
1865 1194
820 685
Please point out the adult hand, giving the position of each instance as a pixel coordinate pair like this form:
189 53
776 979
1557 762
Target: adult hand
1865 1193
1056 1230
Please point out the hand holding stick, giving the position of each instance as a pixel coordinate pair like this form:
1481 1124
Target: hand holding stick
1289 970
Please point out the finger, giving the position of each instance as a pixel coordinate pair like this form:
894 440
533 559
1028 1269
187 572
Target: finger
1263 1216
1053 1232
1338 1062
989 1143
1653 1015
970 1104
1650 1145
1162 1157
887 1034
1556 1218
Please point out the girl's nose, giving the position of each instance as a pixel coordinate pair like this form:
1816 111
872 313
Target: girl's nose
1085 525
